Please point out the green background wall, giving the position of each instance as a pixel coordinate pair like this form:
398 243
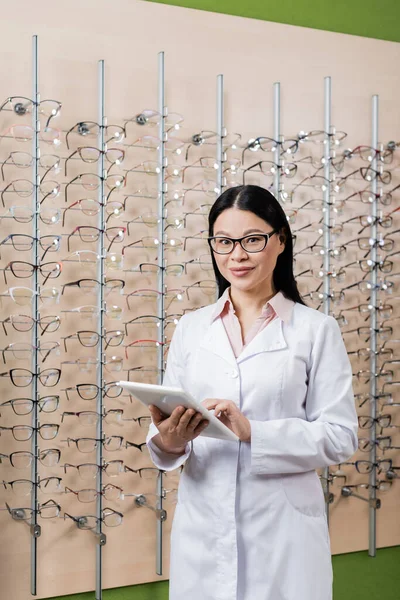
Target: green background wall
370 18
356 576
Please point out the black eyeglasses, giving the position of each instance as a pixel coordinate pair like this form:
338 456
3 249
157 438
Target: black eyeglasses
22 243
85 444
111 468
23 459
24 406
89 339
88 286
25 486
23 433
24 377
366 466
90 391
137 446
250 243
22 270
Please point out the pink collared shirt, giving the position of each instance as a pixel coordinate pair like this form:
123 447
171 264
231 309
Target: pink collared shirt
277 306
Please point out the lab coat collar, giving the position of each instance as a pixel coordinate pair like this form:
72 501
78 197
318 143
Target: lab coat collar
282 306
216 341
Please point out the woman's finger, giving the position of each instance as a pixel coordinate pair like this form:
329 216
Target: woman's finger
156 415
195 420
210 403
176 416
185 419
201 426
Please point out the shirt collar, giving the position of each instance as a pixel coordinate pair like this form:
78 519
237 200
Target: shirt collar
281 305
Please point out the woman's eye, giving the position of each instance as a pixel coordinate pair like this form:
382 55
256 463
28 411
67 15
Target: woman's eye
253 240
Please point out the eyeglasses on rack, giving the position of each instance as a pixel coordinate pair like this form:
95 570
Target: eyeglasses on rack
24 160
23 433
109 491
90 339
24 350
24 377
24 243
86 444
90 417
110 518
23 296
90 391
25 323
23 459
91 129
24 487
24 406
24 214
47 510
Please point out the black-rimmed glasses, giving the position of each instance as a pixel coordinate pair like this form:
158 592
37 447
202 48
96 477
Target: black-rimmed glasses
90 391
250 243
90 339
23 459
23 270
111 468
23 243
88 286
24 406
24 487
23 433
85 444
24 377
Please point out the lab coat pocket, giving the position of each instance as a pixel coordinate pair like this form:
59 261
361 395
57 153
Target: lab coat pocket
304 493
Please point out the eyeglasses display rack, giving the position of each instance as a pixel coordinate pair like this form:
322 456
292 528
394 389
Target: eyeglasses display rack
112 214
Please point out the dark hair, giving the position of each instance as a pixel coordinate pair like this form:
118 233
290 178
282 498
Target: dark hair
262 203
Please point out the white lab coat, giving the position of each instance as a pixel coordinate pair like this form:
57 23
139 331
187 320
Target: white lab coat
250 520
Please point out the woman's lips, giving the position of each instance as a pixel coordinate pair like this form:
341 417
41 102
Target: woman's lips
241 272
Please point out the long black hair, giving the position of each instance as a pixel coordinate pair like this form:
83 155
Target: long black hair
263 204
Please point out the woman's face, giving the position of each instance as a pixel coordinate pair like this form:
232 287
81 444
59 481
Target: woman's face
244 270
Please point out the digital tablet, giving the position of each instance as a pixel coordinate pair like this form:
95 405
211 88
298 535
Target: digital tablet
168 398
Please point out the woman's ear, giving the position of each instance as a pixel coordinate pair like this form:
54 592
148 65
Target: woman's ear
282 240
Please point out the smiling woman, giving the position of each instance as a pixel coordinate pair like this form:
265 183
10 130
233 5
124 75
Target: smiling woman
277 374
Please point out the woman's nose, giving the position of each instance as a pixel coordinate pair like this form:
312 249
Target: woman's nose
238 252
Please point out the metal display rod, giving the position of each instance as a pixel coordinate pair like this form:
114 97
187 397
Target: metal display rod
373 325
277 138
35 527
101 538
162 161
221 133
327 237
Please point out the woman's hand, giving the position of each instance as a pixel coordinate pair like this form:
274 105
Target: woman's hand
175 431
229 414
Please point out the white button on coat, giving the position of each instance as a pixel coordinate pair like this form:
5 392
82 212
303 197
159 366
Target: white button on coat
250 521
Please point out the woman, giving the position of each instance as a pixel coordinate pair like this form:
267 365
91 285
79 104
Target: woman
250 521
